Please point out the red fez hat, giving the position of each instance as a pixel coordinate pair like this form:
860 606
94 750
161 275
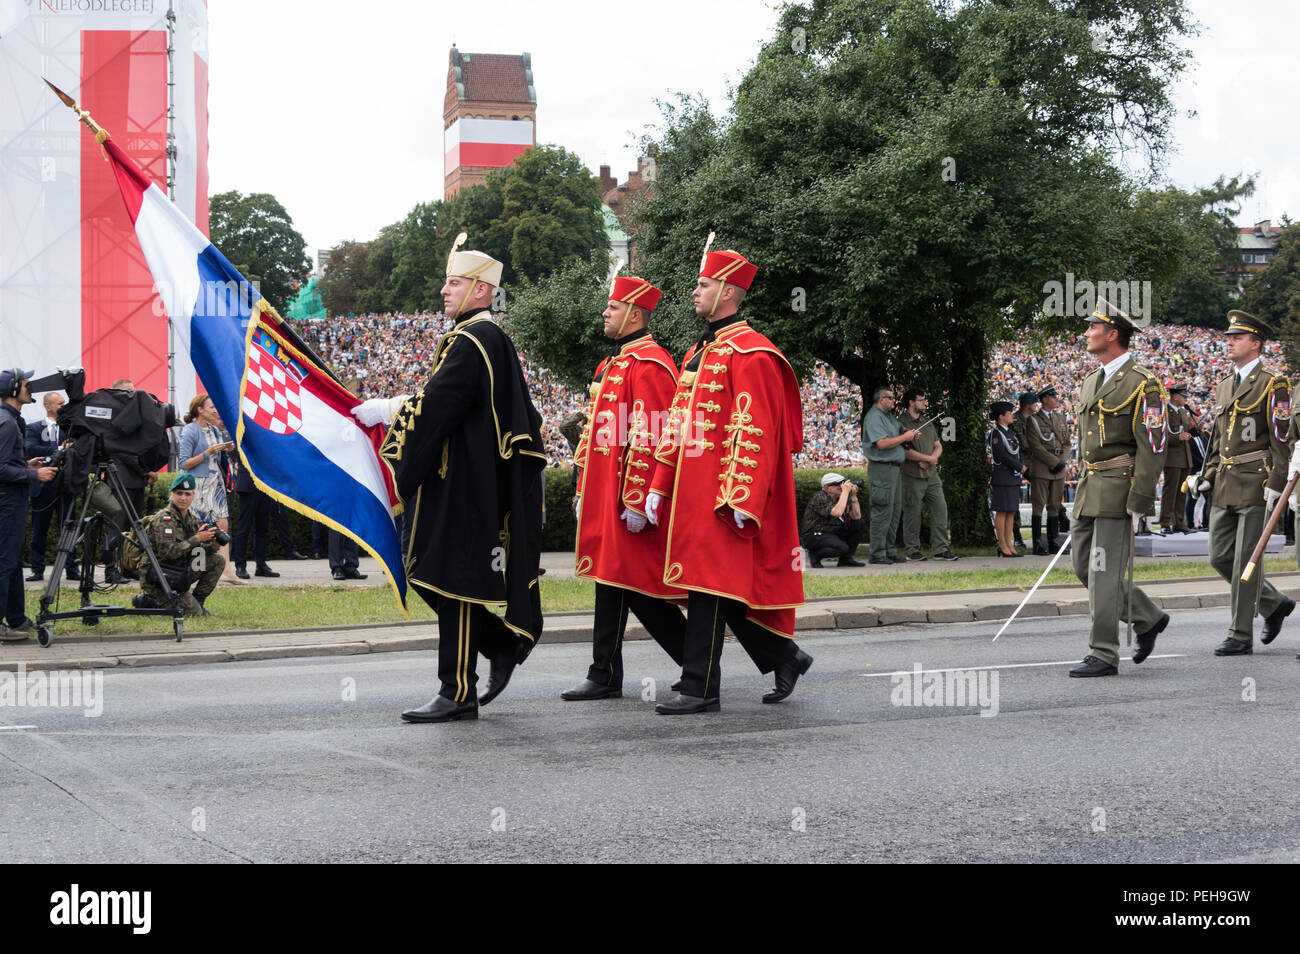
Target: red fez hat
635 291
728 266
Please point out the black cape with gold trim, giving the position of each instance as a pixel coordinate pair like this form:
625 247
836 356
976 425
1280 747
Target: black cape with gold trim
467 459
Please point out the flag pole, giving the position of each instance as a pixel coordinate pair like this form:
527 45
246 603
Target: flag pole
285 328
171 180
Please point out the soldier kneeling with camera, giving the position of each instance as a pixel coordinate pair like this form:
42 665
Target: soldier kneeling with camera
186 550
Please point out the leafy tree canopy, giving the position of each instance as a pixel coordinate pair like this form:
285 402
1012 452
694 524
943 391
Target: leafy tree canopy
257 235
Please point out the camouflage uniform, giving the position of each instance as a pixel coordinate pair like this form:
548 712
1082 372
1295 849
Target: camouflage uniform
171 531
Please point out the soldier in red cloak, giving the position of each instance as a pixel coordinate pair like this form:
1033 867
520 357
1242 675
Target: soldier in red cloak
723 489
617 547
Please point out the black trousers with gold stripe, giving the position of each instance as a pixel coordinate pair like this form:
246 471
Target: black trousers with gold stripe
464 631
661 618
706 617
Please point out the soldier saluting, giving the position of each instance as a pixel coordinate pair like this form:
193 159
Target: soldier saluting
1246 469
1122 435
1047 441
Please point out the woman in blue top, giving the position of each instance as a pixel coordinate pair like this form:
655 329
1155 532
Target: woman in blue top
200 455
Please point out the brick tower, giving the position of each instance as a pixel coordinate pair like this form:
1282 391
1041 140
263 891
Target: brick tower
489 116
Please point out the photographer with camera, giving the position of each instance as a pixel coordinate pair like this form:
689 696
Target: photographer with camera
185 548
204 456
46 440
832 524
18 475
135 478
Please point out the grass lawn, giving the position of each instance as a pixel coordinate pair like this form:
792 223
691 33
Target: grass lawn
291 607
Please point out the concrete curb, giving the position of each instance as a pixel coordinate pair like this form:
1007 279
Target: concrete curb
837 614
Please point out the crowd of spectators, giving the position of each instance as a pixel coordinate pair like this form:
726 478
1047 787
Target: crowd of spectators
1176 353
392 353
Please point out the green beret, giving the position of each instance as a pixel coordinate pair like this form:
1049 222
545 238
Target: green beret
1028 398
183 482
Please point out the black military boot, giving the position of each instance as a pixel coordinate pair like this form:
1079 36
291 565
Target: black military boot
1053 534
1036 526
1063 522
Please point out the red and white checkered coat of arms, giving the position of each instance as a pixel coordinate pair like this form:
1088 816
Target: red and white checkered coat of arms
271 397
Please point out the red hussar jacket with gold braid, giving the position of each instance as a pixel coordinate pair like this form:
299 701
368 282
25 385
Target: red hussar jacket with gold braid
630 397
733 425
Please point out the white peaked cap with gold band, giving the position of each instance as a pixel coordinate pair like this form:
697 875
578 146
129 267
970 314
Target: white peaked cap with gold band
476 266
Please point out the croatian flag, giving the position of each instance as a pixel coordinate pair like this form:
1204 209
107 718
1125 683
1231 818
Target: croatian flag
291 418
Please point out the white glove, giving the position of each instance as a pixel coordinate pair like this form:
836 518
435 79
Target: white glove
1294 467
1137 520
1271 497
652 507
740 520
577 507
372 412
1197 486
635 522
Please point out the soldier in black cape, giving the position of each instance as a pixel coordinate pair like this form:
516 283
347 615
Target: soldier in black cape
467 455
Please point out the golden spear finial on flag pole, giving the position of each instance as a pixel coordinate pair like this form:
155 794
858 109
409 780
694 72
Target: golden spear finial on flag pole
100 132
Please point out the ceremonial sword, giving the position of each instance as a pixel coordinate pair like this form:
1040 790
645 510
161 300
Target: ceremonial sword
1065 543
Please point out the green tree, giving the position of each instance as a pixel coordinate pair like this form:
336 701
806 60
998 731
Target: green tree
1273 293
537 215
257 235
347 276
908 175
1199 230
417 275
558 316
534 215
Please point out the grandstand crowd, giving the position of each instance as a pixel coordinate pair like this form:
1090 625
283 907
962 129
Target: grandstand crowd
391 354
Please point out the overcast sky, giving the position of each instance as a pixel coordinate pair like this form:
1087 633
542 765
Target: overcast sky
336 108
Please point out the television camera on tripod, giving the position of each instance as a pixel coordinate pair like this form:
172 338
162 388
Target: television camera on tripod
101 426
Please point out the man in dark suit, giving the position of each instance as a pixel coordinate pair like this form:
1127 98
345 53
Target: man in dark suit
44 438
254 512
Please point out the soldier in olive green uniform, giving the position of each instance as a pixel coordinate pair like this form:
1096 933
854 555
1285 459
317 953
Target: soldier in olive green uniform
1245 467
177 542
1178 462
1122 435
1047 447
922 485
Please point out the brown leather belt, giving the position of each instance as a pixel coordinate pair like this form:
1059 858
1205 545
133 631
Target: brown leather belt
1247 458
1113 464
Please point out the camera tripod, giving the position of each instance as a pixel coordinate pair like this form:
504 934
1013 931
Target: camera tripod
80 528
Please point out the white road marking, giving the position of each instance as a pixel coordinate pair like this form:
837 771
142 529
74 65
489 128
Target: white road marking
7 728
1065 662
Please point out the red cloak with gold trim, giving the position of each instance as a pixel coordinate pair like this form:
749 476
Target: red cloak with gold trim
733 426
631 394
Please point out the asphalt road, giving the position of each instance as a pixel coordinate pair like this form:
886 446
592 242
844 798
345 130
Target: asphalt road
268 761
